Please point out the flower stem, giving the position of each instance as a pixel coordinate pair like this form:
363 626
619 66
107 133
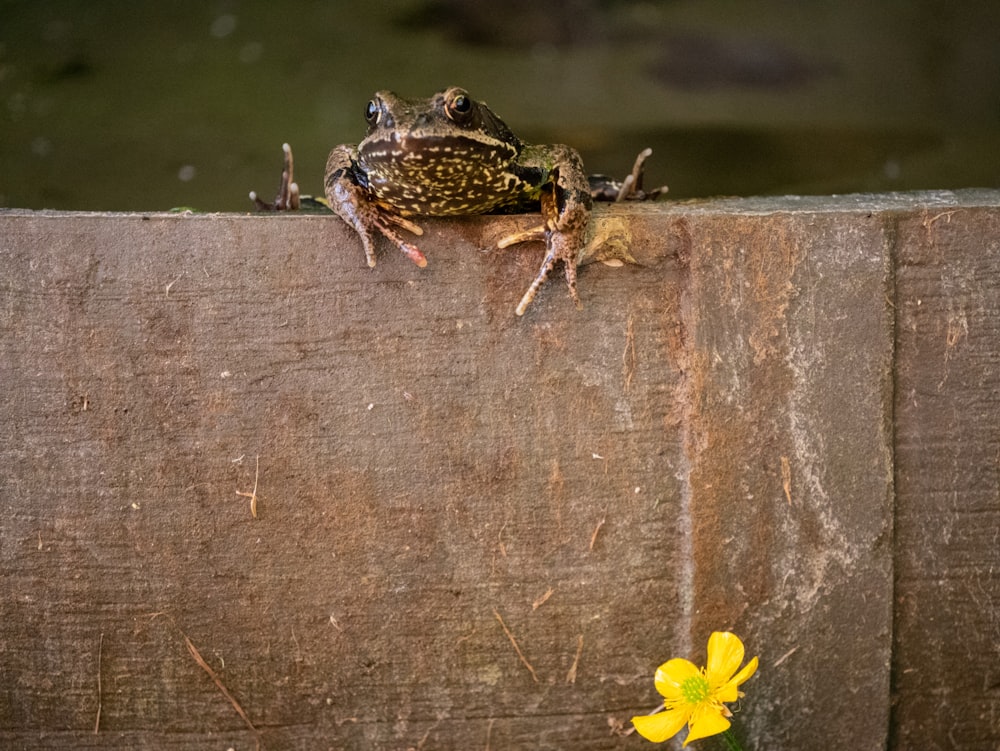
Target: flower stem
731 743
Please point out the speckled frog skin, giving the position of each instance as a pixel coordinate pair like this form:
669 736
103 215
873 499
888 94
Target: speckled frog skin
450 155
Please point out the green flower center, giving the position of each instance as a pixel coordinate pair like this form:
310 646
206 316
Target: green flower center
695 689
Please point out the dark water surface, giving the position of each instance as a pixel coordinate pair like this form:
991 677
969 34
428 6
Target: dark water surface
143 106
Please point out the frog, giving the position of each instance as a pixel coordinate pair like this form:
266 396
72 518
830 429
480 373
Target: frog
450 155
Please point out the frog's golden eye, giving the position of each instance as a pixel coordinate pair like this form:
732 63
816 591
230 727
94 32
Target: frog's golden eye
372 111
458 107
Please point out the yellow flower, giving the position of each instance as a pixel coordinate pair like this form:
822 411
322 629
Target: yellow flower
697 697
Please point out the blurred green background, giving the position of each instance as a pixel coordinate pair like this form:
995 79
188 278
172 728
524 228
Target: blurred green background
143 106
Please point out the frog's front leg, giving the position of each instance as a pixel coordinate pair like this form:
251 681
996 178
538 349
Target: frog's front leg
351 201
565 206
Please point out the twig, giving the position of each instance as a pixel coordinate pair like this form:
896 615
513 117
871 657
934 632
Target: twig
489 732
100 654
166 289
571 675
541 600
786 478
628 356
517 649
593 537
785 656
500 543
253 496
218 682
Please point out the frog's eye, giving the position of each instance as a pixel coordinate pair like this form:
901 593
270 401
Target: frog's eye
372 112
458 107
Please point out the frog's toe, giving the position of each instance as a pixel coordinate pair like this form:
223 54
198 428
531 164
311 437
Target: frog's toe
413 253
543 274
557 249
571 282
551 256
410 250
534 234
368 243
402 221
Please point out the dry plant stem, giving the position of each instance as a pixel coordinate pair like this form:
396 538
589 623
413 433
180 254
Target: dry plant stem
571 675
253 495
517 649
100 654
786 478
542 600
628 355
597 529
218 682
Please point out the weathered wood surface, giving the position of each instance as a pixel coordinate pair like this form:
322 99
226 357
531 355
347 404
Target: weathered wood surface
708 444
947 643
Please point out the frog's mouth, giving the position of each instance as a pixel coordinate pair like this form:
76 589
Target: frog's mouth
420 147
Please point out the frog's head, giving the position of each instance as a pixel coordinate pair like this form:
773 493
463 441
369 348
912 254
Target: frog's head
449 113
448 154
451 121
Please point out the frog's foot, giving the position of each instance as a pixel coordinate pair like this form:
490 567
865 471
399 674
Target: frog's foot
632 184
543 274
563 234
603 188
367 217
557 249
288 191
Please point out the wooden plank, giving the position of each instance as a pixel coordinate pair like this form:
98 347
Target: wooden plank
430 465
427 461
790 375
946 670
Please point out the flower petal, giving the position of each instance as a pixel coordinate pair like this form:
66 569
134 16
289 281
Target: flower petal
725 653
671 675
748 670
662 725
729 692
705 721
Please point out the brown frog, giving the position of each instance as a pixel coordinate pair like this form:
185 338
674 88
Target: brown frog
450 155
